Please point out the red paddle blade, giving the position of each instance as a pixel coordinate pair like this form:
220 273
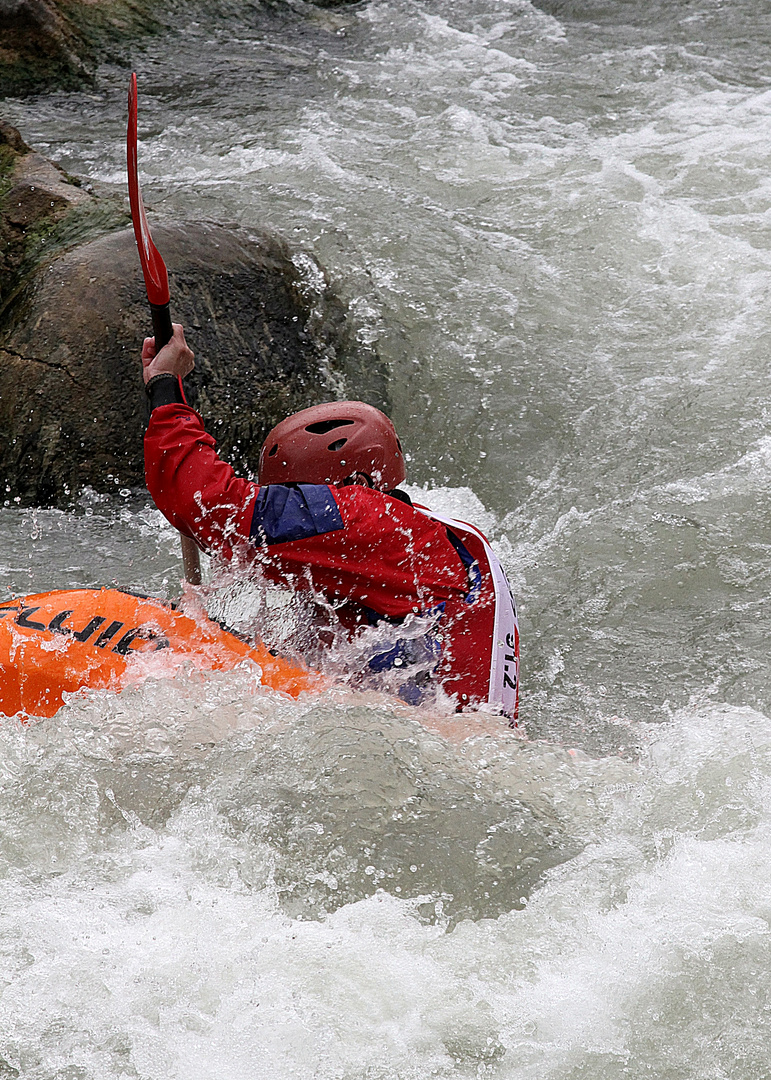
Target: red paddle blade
153 266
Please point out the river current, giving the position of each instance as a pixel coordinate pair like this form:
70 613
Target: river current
554 224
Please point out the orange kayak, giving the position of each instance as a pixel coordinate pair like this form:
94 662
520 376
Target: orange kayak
59 642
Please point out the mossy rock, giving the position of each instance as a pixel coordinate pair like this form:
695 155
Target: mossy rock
47 44
42 211
269 333
58 43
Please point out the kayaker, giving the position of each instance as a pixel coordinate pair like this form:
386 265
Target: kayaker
327 515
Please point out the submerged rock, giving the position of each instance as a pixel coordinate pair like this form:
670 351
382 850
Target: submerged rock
269 334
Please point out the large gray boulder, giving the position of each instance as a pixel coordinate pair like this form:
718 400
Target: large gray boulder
269 334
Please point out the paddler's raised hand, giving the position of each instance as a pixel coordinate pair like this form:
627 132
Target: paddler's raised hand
176 358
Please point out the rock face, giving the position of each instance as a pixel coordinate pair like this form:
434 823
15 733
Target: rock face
35 199
58 42
269 336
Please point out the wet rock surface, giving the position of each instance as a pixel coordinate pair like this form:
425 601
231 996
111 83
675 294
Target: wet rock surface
269 335
42 210
47 43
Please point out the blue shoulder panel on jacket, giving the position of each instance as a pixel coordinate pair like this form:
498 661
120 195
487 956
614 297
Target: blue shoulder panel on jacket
284 512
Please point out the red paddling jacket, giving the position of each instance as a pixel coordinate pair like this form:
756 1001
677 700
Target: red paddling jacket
374 556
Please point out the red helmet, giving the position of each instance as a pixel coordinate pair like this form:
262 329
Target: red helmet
327 444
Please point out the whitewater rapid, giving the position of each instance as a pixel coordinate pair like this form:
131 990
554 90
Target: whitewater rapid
552 223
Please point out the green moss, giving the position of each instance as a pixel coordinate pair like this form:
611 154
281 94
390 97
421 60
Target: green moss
26 71
33 59
100 27
7 161
50 237
85 223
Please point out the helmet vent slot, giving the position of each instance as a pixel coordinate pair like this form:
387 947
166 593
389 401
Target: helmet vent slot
325 426
338 444
273 450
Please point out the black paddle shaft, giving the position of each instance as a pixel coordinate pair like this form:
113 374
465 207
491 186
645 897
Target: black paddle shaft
162 327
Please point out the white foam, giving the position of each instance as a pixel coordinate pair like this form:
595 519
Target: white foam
163 945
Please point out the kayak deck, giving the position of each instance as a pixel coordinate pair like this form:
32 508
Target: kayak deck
63 641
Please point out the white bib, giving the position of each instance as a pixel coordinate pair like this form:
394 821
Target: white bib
504 658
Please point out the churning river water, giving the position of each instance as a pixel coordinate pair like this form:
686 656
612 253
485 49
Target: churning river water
554 224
